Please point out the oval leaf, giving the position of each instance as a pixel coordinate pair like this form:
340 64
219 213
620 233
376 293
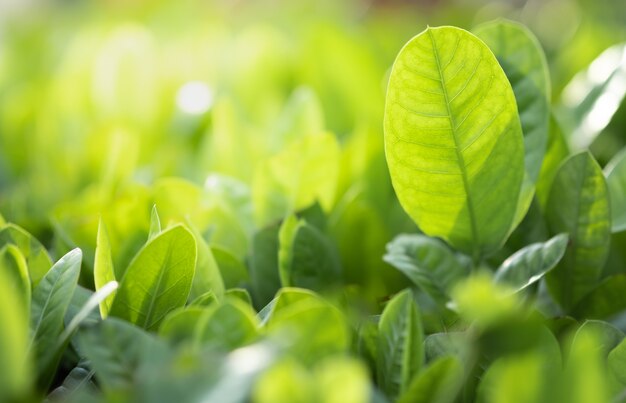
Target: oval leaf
400 350
530 264
158 279
453 139
578 205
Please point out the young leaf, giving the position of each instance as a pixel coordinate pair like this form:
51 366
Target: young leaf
207 277
453 139
180 325
51 298
103 272
37 258
158 279
438 383
232 270
428 262
615 172
579 205
306 258
524 64
400 350
155 223
241 294
12 263
530 264
14 370
230 325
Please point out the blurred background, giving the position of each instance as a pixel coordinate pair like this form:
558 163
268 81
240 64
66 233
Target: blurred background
232 114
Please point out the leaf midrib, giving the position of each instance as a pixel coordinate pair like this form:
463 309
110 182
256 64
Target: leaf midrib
457 149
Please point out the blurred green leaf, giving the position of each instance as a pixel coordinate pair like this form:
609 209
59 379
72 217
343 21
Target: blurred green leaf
579 205
13 264
180 324
36 255
557 150
103 271
230 325
444 132
428 262
207 277
400 350
158 279
615 172
605 300
438 383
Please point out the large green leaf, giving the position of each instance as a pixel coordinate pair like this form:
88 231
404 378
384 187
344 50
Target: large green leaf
158 279
51 298
15 367
453 139
36 255
438 383
400 350
525 65
579 205
230 325
428 262
615 172
103 272
306 257
530 264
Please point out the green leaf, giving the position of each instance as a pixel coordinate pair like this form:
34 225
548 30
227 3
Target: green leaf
155 223
206 299
230 325
232 270
593 96
116 349
438 383
103 271
264 265
342 379
428 262
604 301
287 381
530 264
158 279
297 318
615 172
51 298
13 263
579 205
306 257
439 345
525 65
453 139
400 350
241 294
15 373
607 336
207 277
180 325
37 258
617 362
76 383
557 151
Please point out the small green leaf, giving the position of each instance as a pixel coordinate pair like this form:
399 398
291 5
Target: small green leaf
207 277
103 272
230 325
604 301
525 65
77 382
306 257
557 151
453 139
617 362
579 205
180 325
206 299
264 265
116 349
400 350
438 383
13 263
232 270
37 258
158 279
615 172
51 298
155 223
530 264
239 293
428 262
15 368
